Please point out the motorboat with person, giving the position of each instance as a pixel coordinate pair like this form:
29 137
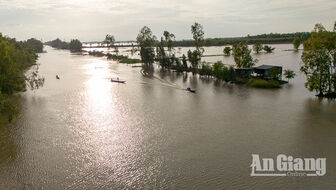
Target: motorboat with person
191 90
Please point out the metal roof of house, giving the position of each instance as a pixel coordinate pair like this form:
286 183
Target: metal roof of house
266 67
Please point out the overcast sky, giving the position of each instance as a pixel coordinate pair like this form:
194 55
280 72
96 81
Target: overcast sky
90 20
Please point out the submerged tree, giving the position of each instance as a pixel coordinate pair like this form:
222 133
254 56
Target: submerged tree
242 56
198 36
268 49
319 59
184 62
110 42
161 54
194 58
296 43
227 51
166 59
257 47
289 74
220 71
169 41
146 41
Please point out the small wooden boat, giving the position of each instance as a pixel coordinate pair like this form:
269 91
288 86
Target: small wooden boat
118 81
191 90
57 77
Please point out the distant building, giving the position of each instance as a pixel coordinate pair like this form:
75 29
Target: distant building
263 71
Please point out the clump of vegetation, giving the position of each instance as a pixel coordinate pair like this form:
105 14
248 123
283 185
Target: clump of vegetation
206 70
296 43
75 46
120 58
242 56
33 44
194 58
227 51
58 44
110 42
146 41
15 59
269 49
261 83
257 47
96 53
319 59
220 71
289 74
198 36
167 58
116 57
130 61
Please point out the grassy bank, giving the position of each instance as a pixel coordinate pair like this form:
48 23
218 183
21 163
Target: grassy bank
261 83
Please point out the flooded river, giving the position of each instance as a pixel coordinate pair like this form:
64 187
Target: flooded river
84 132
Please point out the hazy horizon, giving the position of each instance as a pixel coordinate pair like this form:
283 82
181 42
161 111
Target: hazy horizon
91 20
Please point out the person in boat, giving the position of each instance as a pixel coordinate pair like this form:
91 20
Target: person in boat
191 90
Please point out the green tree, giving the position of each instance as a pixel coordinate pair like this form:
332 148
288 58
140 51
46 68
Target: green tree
146 41
15 59
296 43
109 40
268 49
58 44
205 70
257 47
166 59
194 58
184 62
218 69
319 59
242 56
227 51
198 36
75 45
34 44
289 74
161 54
169 40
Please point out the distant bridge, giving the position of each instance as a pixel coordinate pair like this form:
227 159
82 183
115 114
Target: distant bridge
102 45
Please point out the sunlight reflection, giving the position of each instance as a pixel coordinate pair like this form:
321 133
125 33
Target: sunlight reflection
98 91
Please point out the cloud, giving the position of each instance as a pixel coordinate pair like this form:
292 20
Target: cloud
92 19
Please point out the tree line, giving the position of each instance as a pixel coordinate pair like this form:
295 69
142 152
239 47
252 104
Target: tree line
74 45
263 38
15 58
